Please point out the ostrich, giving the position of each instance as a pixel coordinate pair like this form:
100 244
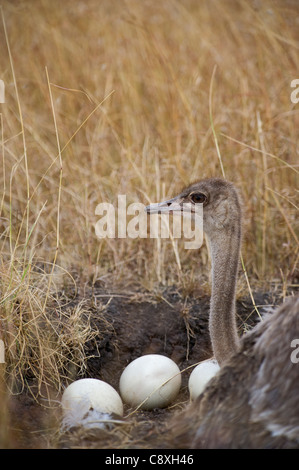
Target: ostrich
253 401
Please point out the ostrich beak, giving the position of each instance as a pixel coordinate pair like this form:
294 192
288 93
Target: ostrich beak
172 205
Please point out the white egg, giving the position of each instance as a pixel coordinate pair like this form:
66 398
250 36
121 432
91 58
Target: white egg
152 378
90 402
200 376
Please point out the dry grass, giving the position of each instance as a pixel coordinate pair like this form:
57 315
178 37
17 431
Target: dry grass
116 97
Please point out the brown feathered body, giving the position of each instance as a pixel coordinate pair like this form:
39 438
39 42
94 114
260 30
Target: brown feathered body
253 401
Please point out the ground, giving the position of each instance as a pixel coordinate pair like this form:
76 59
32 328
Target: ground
134 325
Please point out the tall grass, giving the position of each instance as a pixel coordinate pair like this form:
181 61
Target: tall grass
117 97
158 61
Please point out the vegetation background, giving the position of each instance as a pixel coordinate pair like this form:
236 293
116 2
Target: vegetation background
139 98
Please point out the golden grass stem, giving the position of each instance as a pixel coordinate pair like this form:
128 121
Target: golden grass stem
21 120
223 174
212 121
3 163
59 192
265 192
268 154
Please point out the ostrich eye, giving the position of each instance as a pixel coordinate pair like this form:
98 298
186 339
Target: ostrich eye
198 198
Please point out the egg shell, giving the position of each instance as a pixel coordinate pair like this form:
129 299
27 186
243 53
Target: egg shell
146 375
200 377
90 394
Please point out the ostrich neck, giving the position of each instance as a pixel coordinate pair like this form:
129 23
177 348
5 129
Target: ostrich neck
225 251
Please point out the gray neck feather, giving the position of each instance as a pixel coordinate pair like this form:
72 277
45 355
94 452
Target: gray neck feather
225 251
